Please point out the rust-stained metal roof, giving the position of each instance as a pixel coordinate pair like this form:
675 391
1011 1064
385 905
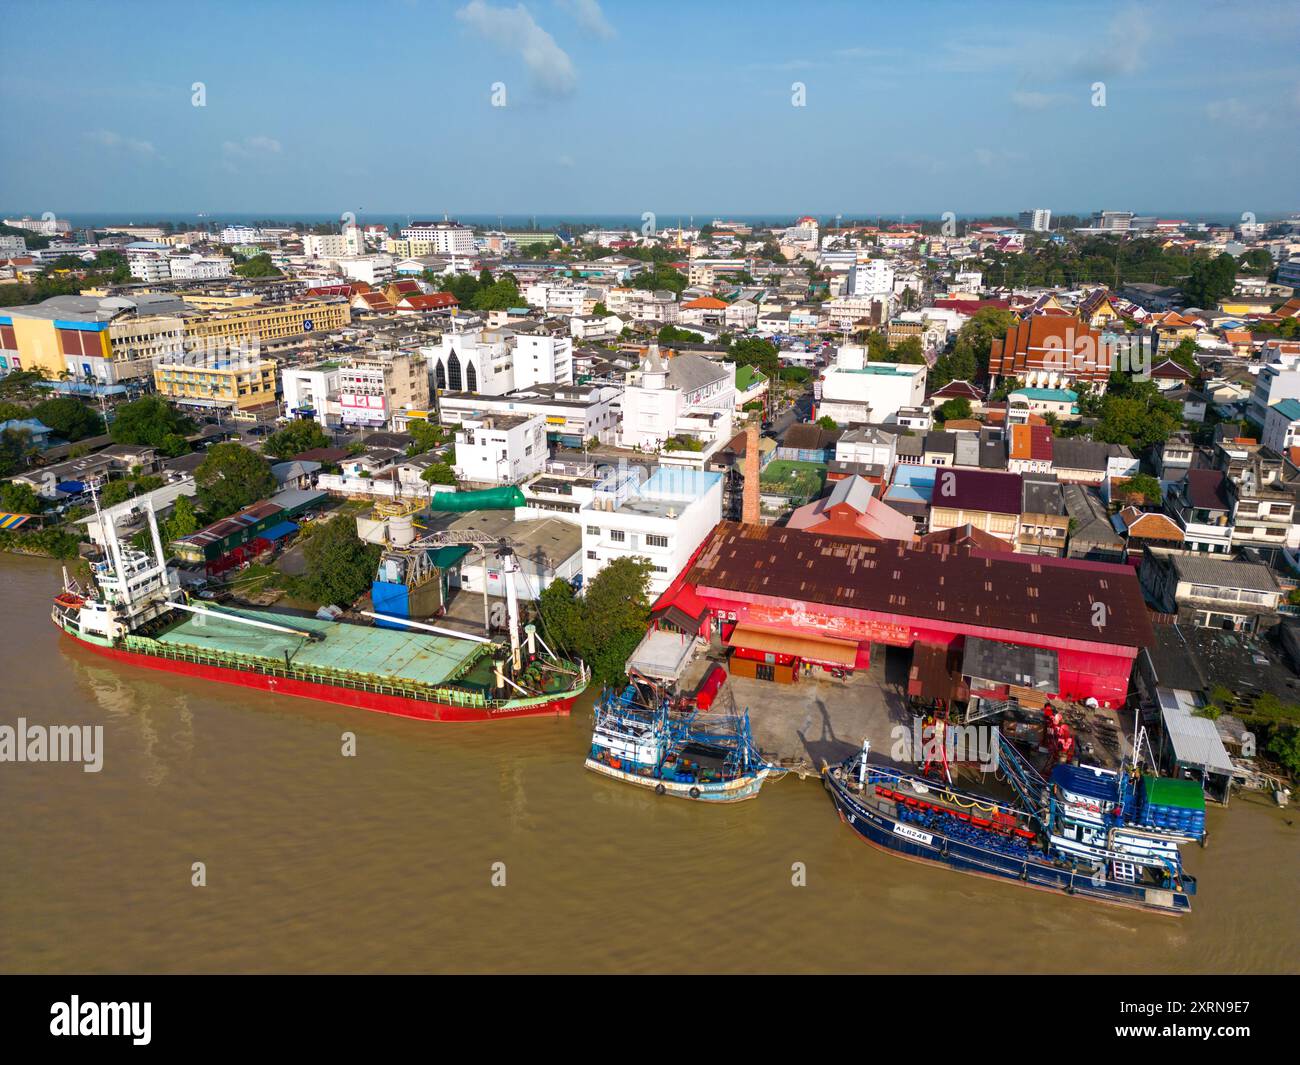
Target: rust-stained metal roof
963 585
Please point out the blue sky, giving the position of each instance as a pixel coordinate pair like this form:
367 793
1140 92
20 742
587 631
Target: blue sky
671 107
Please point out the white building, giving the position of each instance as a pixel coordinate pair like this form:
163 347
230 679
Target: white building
241 235
372 269
42 227
573 414
12 247
150 266
663 520
1039 220
1282 426
875 277
200 267
500 448
443 238
686 395
492 362
857 391
312 392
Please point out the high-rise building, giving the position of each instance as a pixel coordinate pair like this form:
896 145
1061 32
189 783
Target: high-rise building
1039 220
445 238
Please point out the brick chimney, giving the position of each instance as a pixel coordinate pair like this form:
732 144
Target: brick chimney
749 500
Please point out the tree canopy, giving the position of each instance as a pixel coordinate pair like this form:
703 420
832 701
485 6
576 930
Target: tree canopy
153 422
68 417
231 478
302 434
340 565
604 625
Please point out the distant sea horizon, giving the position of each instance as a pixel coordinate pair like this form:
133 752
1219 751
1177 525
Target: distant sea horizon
555 220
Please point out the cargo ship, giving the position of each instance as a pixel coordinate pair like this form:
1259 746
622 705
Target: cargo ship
1090 833
134 612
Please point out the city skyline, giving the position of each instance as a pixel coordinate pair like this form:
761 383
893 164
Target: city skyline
617 110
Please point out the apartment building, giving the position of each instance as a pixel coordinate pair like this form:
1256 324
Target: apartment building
855 391
573 414
678 397
373 388
442 238
200 267
312 392
1210 592
236 385
500 448
664 520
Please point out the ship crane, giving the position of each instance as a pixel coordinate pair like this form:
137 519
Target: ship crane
505 550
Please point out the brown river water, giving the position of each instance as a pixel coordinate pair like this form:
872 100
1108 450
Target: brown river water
384 862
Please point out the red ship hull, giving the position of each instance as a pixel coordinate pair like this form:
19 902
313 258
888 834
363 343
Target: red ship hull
397 705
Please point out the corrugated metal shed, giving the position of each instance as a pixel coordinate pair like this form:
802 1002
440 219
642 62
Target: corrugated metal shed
1195 740
1017 593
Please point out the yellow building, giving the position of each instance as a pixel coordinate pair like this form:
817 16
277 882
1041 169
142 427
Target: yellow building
107 340
273 321
405 248
236 386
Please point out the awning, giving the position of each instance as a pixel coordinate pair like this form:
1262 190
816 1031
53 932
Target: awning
936 673
276 532
12 521
818 649
680 607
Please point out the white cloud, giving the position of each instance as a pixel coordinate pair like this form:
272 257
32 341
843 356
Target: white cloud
1233 111
251 147
112 141
590 17
514 29
1033 101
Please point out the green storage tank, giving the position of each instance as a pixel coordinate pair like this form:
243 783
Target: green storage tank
507 497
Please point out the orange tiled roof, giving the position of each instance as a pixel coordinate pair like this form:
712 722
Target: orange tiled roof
1051 342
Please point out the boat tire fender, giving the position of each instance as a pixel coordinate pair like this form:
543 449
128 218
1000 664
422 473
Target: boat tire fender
695 793
660 789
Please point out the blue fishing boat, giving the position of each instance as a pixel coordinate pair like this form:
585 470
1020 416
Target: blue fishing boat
1106 835
643 740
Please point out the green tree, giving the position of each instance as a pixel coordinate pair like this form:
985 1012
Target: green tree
69 417
1185 355
15 449
1210 280
258 266
954 409
500 295
1144 487
439 473
230 478
670 333
19 498
150 421
908 351
302 434
756 352
340 566
827 422
182 521
427 436
604 626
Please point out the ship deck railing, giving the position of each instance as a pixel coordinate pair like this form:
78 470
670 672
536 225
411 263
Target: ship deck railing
877 774
316 675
